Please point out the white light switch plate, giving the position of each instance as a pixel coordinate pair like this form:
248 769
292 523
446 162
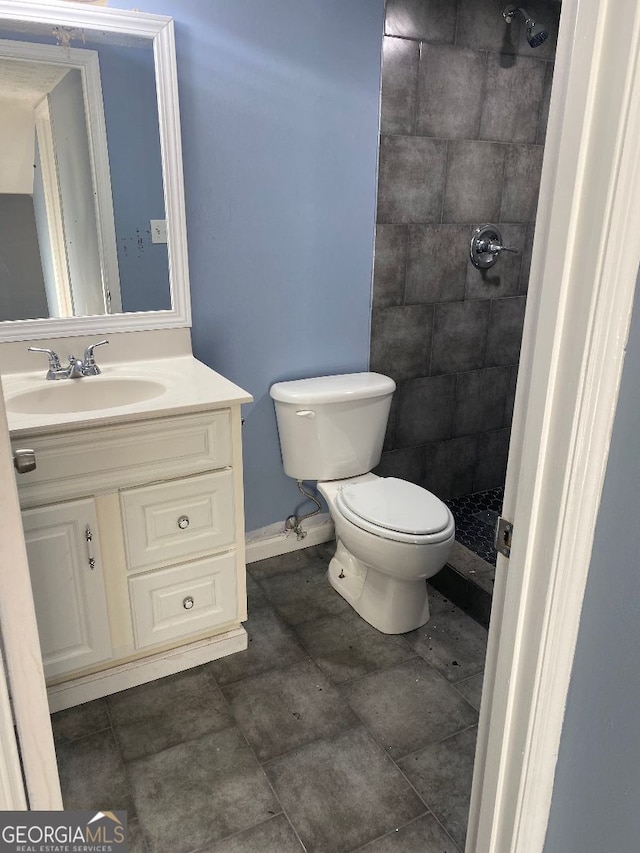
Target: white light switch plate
158 230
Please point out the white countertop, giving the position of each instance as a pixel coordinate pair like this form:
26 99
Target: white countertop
189 386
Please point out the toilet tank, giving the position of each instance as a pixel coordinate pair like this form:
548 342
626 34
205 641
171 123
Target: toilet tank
332 427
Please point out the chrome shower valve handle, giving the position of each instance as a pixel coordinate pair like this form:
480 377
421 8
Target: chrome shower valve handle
487 246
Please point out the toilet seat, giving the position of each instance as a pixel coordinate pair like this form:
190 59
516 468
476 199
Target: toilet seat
397 510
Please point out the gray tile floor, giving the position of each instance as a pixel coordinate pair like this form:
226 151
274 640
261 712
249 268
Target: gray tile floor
324 736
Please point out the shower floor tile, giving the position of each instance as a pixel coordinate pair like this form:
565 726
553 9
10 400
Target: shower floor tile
335 714
476 516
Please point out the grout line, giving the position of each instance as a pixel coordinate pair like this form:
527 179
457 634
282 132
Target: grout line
436 742
392 832
358 724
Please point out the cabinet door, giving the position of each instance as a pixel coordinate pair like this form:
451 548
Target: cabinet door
68 588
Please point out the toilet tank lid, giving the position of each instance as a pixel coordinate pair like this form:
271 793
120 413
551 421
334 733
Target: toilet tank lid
333 389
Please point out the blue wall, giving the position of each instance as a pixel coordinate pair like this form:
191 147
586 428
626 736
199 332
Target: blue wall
279 107
133 138
596 797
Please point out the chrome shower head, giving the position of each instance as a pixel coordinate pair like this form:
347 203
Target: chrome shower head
536 33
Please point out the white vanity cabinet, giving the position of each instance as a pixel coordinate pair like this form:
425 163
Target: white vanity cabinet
135 540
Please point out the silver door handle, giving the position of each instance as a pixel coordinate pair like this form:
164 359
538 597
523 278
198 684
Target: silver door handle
24 460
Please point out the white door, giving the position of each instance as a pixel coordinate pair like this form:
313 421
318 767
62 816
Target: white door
68 586
23 664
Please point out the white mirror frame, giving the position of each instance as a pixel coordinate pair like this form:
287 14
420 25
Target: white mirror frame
159 28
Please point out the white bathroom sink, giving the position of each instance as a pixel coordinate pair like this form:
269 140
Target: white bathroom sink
89 394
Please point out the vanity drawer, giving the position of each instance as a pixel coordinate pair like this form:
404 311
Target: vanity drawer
171 521
192 598
87 461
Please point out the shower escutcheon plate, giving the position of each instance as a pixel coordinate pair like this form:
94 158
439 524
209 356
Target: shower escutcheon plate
486 246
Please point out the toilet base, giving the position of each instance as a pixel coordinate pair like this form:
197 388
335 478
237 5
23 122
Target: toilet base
390 605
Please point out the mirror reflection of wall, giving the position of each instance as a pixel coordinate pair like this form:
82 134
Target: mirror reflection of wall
138 274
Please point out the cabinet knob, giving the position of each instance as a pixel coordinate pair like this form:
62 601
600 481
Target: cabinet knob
183 522
188 603
24 460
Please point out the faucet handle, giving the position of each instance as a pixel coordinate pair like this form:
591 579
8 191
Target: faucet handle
90 366
54 360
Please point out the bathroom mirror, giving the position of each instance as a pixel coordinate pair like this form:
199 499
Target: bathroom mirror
91 191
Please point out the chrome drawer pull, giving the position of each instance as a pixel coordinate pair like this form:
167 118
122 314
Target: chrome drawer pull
183 522
188 603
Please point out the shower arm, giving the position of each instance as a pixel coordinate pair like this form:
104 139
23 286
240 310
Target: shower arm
510 11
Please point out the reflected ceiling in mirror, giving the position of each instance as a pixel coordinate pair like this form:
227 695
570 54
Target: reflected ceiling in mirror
92 232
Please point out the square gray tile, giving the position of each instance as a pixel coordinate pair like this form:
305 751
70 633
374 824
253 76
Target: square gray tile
304 595
256 599
525 267
453 643
503 278
80 720
505 331
522 167
408 706
406 464
436 263
459 336
410 179
481 26
425 410
473 186
449 466
146 720
424 835
433 20
481 397
390 433
135 838
450 91
471 689
273 836
492 462
544 109
199 792
389 266
270 644
347 647
442 775
511 396
281 710
401 341
92 775
342 792
513 98
399 85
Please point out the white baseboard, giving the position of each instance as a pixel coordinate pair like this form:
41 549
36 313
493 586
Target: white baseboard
272 541
131 674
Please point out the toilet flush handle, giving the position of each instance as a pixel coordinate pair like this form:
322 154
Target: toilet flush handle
306 413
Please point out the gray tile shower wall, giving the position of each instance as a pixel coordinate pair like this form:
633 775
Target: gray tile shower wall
465 102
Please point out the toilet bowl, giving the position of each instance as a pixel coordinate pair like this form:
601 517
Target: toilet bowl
380 570
391 534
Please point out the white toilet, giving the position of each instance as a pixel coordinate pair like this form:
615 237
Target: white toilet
391 534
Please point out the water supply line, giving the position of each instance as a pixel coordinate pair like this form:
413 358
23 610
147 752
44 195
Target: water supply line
294 522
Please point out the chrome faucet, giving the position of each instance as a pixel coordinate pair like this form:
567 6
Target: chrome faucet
77 368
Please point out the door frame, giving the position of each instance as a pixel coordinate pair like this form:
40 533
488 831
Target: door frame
583 277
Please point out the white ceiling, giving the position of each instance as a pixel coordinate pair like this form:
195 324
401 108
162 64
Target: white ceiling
28 82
